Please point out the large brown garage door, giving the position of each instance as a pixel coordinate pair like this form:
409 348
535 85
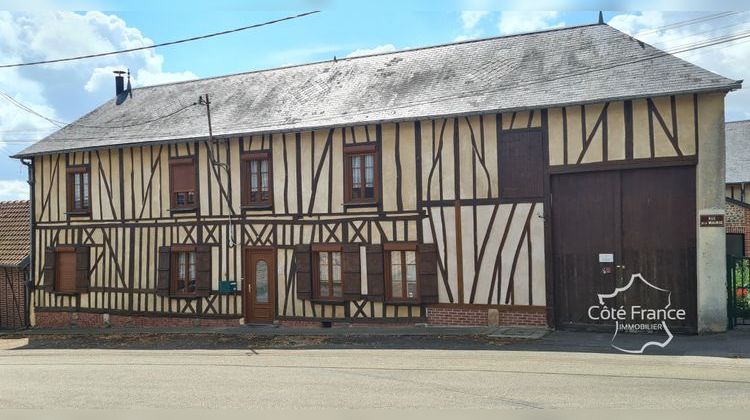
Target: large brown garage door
644 219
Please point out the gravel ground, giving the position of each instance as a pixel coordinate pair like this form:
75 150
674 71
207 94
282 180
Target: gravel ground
155 341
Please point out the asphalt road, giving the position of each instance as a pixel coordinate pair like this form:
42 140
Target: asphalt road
361 378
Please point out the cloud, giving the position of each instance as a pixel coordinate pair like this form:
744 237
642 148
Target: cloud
513 22
386 48
14 190
729 60
471 18
48 89
63 91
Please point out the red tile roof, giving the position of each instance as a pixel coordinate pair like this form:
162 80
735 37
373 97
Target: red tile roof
14 232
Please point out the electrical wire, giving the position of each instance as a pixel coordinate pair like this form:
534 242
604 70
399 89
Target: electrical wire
700 19
656 55
163 44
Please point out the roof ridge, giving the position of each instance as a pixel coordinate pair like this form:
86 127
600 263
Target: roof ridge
426 47
737 121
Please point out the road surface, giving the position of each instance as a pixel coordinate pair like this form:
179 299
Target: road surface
362 378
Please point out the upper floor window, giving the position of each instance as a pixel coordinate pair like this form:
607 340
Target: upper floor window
401 272
327 277
257 187
78 189
361 174
183 191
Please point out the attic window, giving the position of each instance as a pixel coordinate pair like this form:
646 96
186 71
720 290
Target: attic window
182 185
78 190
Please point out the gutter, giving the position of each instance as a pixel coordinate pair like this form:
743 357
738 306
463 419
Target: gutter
32 245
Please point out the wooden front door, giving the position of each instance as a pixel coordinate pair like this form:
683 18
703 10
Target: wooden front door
644 219
260 285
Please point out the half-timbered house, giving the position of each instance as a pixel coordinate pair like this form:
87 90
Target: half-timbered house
474 183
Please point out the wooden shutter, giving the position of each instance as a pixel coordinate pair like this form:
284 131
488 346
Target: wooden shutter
375 278
521 164
203 270
50 258
183 175
82 269
351 271
163 279
303 262
428 283
245 181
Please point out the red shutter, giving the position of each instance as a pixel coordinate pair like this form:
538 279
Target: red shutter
351 271
183 176
302 261
203 270
375 279
428 284
163 279
82 269
50 258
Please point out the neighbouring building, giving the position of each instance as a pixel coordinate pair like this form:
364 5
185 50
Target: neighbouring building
505 180
738 188
15 237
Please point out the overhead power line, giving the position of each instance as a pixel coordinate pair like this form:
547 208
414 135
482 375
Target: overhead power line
163 44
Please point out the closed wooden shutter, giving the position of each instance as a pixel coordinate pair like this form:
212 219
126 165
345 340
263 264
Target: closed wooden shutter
183 175
50 258
428 282
351 271
163 279
82 269
521 164
375 278
302 260
203 270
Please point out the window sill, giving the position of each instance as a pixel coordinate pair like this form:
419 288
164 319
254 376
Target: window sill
183 210
66 293
354 204
330 300
403 301
257 207
184 296
78 213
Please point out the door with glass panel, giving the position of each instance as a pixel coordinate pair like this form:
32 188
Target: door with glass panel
260 285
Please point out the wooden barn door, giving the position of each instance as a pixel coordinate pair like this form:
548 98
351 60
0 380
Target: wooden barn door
658 235
585 218
260 285
643 218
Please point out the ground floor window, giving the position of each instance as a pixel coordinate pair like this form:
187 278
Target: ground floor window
327 278
66 270
401 272
183 271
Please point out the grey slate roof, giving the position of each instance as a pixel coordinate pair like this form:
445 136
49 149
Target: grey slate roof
579 64
737 136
